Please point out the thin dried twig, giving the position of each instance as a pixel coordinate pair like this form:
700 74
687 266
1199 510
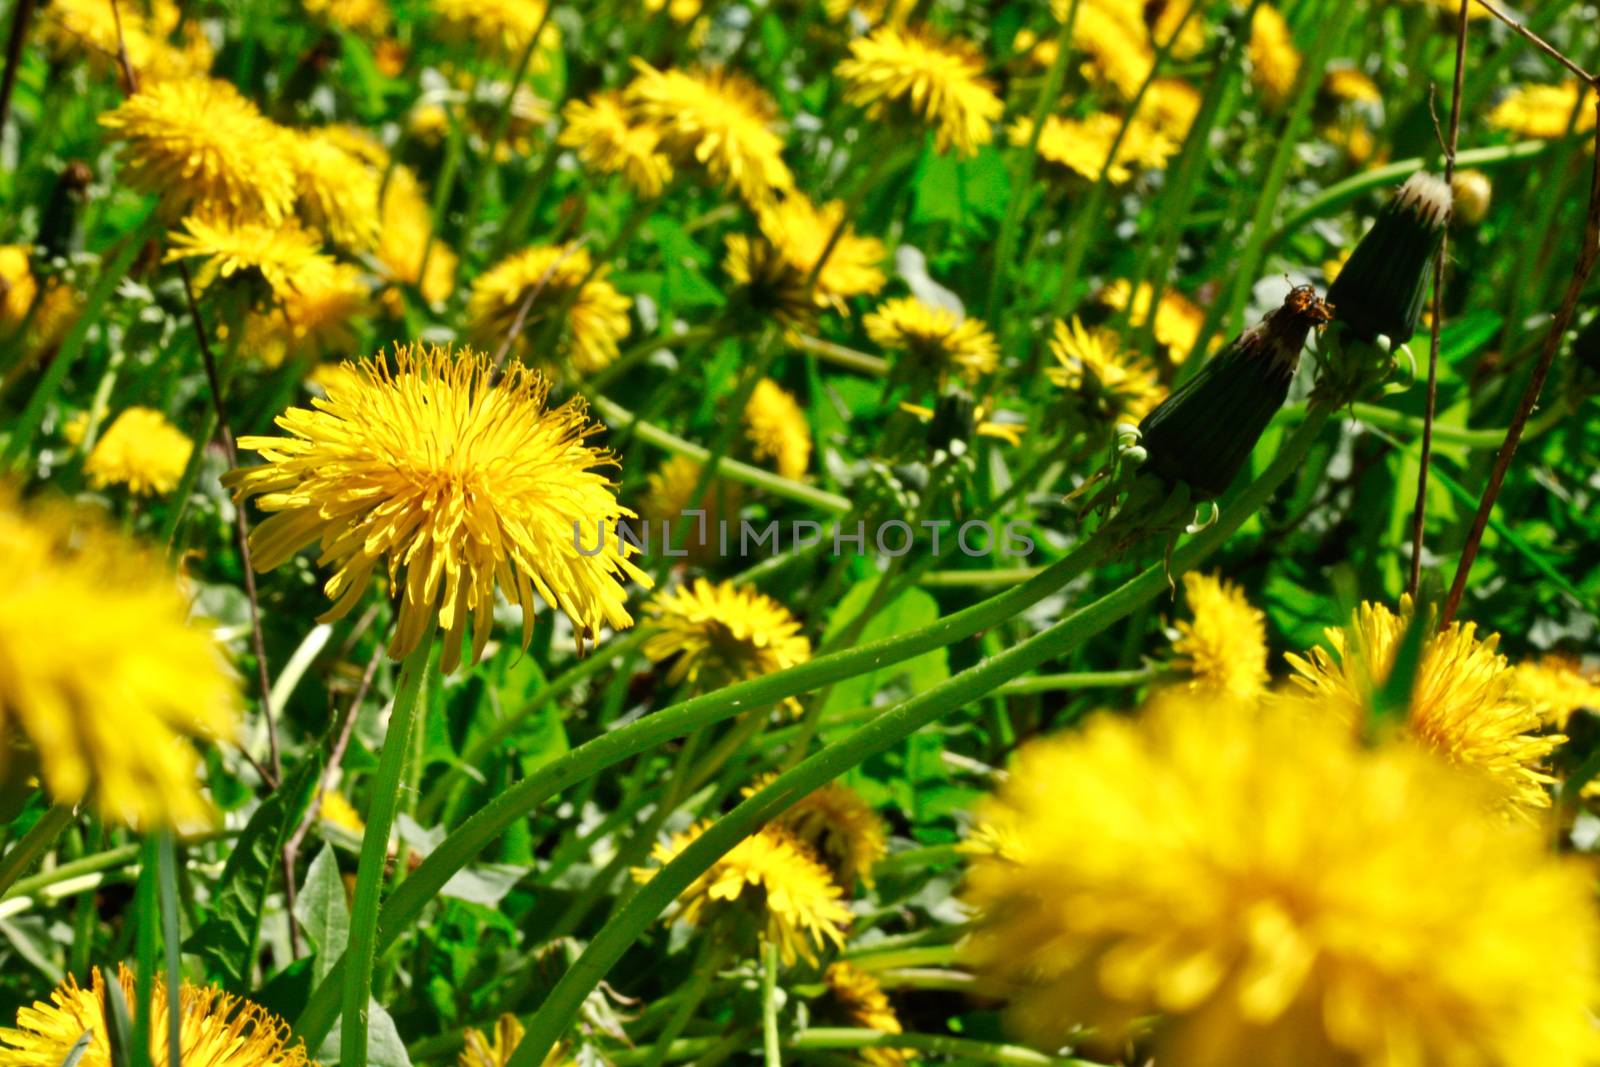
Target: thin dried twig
130 80
1538 42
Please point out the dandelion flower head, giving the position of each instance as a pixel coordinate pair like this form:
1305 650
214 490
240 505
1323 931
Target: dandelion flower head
863 1003
778 430
843 831
720 633
1556 685
800 230
1545 111
561 282
285 257
338 190
1092 367
608 141
940 81
88 28
935 342
1083 146
1223 645
503 28
1178 321
1274 60
314 318
140 450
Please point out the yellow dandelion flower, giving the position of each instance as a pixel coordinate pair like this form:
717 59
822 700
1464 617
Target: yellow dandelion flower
1464 704
667 496
284 256
87 29
216 1028
1191 39
1223 647
336 809
338 191
1116 53
1332 267
1113 385
717 634
370 18
457 484
1276 893
1169 107
864 1003
717 120
404 239
18 287
940 82
563 282
1545 111
1555 685
778 429
140 450
203 148
325 376
1084 145
772 875
314 318
933 342
799 230
766 284
842 830
105 679
609 142
1178 320
501 27
1274 60
1351 86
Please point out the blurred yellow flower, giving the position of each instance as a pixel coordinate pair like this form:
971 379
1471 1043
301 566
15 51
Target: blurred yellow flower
561 282
216 1028
140 450
1111 384
932 341
668 490
1115 53
608 141
503 28
718 634
404 240
18 288
1350 85
480 1050
940 82
201 147
371 18
88 29
104 679
677 10
1545 111
772 875
842 830
456 484
335 808
778 429
1169 107
1223 645
1555 685
1084 145
1274 60
284 256
315 317
1464 704
338 190
1275 893
800 231
1178 320
862 1000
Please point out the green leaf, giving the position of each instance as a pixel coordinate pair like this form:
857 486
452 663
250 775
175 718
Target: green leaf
912 609
119 1023
323 911
79 1047
226 941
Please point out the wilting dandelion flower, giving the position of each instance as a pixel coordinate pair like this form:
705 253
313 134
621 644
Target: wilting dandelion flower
140 450
1275 893
842 829
1556 685
1274 60
933 341
718 120
88 28
608 141
940 82
405 239
774 879
500 27
104 680
1223 645
1178 321
203 148
718 634
216 1029
1545 111
777 429
456 484
1464 703
338 190
561 282
862 1001
1109 383
283 256
1381 288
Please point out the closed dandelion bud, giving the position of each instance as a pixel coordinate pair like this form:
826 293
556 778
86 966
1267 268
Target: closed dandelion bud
1471 192
1381 288
1202 434
61 223
954 418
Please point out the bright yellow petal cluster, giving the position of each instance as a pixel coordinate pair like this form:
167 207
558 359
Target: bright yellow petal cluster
721 633
216 1028
556 282
455 483
315 317
775 876
1223 646
1556 685
203 148
88 29
1114 385
480 1050
1178 321
667 496
1169 108
1545 111
1274 60
18 287
800 231
140 450
933 341
862 1000
406 237
939 81
778 430
1115 54
101 675
717 120
501 27
1083 146
1464 703
284 256
338 190
1351 85
1275 893
371 18
842 830
609 141
53 310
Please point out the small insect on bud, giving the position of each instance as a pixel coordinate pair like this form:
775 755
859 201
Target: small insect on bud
1380 289
1471 191
1203 433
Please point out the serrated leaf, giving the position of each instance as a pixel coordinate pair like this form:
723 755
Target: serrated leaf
323 911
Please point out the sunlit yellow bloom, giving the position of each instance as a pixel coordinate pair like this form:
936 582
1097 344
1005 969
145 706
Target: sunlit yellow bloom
140 450
718 634
203 148
1084 145
1464 704
772 875
88 28
562 282
843 830
369 17
456 487
717 120
1112 384
103 679
215 1028
609 142
1223 646
480 1050
1116 54
1544 111
865 1005
778 429
283 256
1274 60
1349 84
404 240
800 231
932 341
939 81
501 27
315 318
1170 106
336 809
668 493
1275 893
338 190
1556 685
1178 320
677 10
18 288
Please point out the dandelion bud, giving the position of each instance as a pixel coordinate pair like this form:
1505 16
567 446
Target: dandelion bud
1380 290
1471 190
954 419
1202 434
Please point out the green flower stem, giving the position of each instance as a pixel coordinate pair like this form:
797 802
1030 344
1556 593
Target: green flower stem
708 960
820 1038
609 749
408 699
34 843
889 729
771 1055
961 579
171 935
1058 683
840 356
918 956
